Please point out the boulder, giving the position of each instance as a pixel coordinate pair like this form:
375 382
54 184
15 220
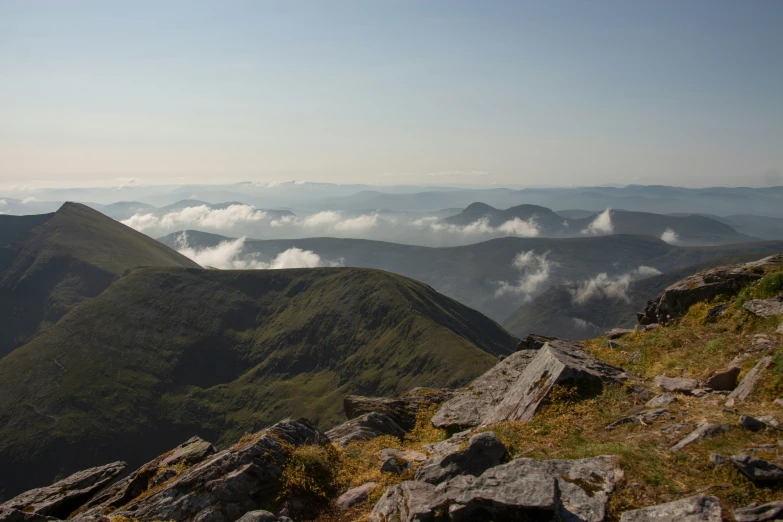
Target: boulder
149 475
65 496
765 307
676 384
534 342
691 509
368 426
258 516
406 455
758 470
716 459
613 344
228 484
467 407
704 430
723 381
748 383
558 363
355 495
390 464
449 445
616 333
663 399
484 451
643 417
403 411
758 424
763 513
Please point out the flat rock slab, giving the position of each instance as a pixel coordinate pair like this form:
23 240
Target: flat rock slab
558 363
748 383
664 399
676 384
691 509
468 407
643 417
616 333
65 496
406 455
704 430
723 381
402 411
758 470
355 495
365 427
765 307
763 513
484 451
449 445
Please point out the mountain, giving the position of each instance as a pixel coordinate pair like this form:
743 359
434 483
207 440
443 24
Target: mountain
55 261
549 222
165 353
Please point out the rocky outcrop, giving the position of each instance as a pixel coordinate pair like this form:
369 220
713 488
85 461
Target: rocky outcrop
691 509
403 410
230 483
449 445
763 513
534 342
704 430
703 287
64 497
616 333
765 307
355 495
758 470
368 426
520 490
468 407
484 451
748 383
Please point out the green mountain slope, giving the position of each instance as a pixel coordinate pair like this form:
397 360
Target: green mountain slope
166 353
62 259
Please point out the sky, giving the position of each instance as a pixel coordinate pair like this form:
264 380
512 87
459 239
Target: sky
549 93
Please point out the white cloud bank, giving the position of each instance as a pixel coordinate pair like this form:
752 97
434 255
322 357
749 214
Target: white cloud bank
670 236
602 224
512 227
534 272
610 287
228 255
200 216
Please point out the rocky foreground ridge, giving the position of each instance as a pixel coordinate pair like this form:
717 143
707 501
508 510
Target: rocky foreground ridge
675 421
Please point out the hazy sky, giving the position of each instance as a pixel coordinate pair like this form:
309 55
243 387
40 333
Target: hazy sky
581 92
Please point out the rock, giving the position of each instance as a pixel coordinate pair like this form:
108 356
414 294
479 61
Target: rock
149 475
770 421
691 509
14 515
699 392
65 496
716 459
258 516
484 451
758 424
747 384
704 430
523 489
676 384
368 426
467 408
616 333
703 286
644 417
780 328
716 311
355 495
228 484
778 402
763 513
559 362
613 344
729 403
403 411
765 307
723 381
676 427
390 464
663 399
757 470
449 445
534 342
406 455
646 327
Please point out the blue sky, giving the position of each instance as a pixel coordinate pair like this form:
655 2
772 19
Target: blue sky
535 93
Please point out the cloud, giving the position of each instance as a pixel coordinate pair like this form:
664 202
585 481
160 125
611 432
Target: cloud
602 224
124 182
200 216
580 323
25 201
513 227
670 236
227 255
534 272
610 287
3 202
363 222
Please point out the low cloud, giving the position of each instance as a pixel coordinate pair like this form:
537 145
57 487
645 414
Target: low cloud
3 202
670 236
481 227
229 255
602 224
604 286
201 216
25 201
534 272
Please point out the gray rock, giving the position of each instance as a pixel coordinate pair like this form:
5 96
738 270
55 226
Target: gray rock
614 344
723 381
780 328
758 424
65 496
484 451
368 426
402 411
765 307
258 516
679 426
704 430
643 417
716 459
716 311
228 484
748 383
661 400
691 509
559 362
616 333
534 342
449 445
355 495
756 469
14 515
390 464
405 455
676 384
468 407
764 513
407 501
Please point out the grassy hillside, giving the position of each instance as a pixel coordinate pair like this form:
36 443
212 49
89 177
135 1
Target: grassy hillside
62 259
13 227
166 353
